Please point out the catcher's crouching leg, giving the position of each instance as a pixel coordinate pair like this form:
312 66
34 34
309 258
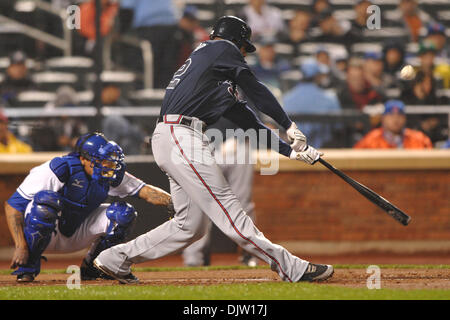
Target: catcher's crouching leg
121 216
40 223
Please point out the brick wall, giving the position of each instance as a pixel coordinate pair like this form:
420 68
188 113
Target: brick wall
8 184
319 206
303 204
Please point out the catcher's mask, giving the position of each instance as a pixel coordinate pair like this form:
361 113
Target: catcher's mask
106 157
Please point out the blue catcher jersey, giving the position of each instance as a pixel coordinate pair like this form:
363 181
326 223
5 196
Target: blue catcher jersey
81 194
204 87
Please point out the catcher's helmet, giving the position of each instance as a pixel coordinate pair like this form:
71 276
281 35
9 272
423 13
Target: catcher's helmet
106 157
233 29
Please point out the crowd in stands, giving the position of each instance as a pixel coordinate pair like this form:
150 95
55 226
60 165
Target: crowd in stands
316 59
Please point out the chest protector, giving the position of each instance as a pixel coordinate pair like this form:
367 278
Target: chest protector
81 194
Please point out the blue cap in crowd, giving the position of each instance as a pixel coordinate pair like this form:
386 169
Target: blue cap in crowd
190 12
311 68
435 28
394 106
373 55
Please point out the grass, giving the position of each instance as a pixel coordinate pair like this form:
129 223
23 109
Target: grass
260 291
251 291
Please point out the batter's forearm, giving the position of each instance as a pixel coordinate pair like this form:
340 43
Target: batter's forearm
245 118
263 99
155 195
15 221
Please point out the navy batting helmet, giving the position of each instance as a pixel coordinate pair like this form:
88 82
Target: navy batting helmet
234 29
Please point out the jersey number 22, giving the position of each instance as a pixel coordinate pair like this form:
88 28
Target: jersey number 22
177 76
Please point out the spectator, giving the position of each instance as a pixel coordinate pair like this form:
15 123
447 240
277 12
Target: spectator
436 35
335 75
60 134
265 20
158 24
17 78
332 30
309 97
373 71
393 58
359 24
446 144
8 142
299 28
355 92
412 18
422 91
341 63
189 34
200 33
268 66
122 131
87 21
113 96
393 133
427 54
429 64
66 96
319 6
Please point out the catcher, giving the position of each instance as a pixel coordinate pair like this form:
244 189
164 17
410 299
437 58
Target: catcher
59 207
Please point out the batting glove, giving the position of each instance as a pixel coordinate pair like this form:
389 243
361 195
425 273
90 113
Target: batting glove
296 138
309 155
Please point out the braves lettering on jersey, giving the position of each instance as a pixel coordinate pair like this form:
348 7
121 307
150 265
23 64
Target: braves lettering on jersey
81 194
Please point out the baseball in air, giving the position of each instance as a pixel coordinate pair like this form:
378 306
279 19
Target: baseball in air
407 72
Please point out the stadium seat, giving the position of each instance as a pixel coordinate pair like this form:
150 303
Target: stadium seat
386 33
444 17
284 50
50 81
34 98
85 98
4 63
361 48
147 97
72 64
124 79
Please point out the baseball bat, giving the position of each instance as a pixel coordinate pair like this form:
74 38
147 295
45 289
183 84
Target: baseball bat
381 202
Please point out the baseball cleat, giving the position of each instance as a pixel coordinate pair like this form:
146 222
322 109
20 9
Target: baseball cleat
317 272
89 272
25 277
126 279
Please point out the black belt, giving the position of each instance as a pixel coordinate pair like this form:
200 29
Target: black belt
184 120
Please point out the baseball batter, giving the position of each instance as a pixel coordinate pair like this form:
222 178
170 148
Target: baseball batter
59 207
202 91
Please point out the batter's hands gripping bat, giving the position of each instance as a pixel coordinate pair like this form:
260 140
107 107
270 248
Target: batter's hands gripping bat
390 209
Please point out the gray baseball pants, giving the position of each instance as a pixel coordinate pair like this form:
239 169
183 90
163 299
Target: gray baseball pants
199 191
240 179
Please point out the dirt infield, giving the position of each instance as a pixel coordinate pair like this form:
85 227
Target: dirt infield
390 278
398 278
